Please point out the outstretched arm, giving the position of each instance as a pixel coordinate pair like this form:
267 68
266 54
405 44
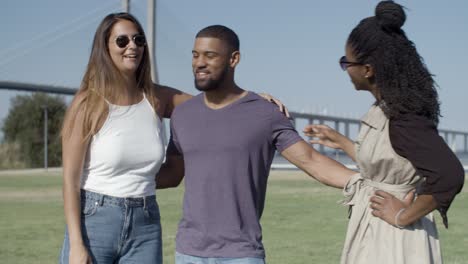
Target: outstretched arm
170 98
316 165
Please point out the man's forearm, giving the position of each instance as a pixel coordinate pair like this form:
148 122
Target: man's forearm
318 166
328 171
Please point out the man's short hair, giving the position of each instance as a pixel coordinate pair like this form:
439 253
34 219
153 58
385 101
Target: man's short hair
222 33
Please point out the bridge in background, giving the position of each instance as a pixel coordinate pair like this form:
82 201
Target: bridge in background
30 87
344 125
341 124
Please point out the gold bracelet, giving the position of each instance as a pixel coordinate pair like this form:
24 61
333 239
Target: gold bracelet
397 216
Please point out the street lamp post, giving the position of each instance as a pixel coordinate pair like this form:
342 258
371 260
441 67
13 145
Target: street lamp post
46 117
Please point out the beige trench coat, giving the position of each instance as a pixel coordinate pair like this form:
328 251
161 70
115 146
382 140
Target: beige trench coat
370 239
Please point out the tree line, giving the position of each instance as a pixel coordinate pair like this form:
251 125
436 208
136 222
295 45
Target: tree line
23 131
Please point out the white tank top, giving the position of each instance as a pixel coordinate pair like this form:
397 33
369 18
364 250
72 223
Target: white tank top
125 155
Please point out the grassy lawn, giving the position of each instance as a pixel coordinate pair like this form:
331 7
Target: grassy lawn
302 222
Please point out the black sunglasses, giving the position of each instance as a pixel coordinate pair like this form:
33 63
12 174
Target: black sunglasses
123 40
344 63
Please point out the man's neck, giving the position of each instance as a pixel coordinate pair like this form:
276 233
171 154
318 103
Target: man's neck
223 96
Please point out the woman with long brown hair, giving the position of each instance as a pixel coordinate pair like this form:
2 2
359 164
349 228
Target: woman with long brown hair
112 149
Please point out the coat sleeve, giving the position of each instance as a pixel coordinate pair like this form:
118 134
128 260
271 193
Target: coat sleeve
417 139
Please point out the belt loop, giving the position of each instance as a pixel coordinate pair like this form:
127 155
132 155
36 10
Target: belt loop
144 202
101 199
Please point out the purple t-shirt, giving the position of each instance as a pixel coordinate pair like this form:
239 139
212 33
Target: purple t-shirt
227 155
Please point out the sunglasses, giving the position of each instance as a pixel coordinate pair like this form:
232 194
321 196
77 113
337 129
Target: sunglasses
344 63
122 41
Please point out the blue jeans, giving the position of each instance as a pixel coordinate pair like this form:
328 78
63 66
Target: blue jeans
186 259
119 230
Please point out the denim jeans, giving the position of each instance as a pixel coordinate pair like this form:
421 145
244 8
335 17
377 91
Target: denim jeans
186 259
119 230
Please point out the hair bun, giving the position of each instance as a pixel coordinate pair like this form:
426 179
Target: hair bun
390 15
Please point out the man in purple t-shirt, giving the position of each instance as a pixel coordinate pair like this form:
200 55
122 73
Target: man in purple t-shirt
225 139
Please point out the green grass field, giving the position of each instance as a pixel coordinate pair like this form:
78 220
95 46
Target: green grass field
302 222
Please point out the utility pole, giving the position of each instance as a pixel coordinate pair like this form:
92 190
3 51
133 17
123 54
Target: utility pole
151 34
152 38
126 6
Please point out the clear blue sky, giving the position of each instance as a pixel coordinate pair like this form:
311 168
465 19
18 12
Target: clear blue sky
289 48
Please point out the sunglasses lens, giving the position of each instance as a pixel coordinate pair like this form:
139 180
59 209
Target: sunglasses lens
140 40
122 41
343 63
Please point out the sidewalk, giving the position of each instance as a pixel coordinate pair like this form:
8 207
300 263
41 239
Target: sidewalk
55 170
